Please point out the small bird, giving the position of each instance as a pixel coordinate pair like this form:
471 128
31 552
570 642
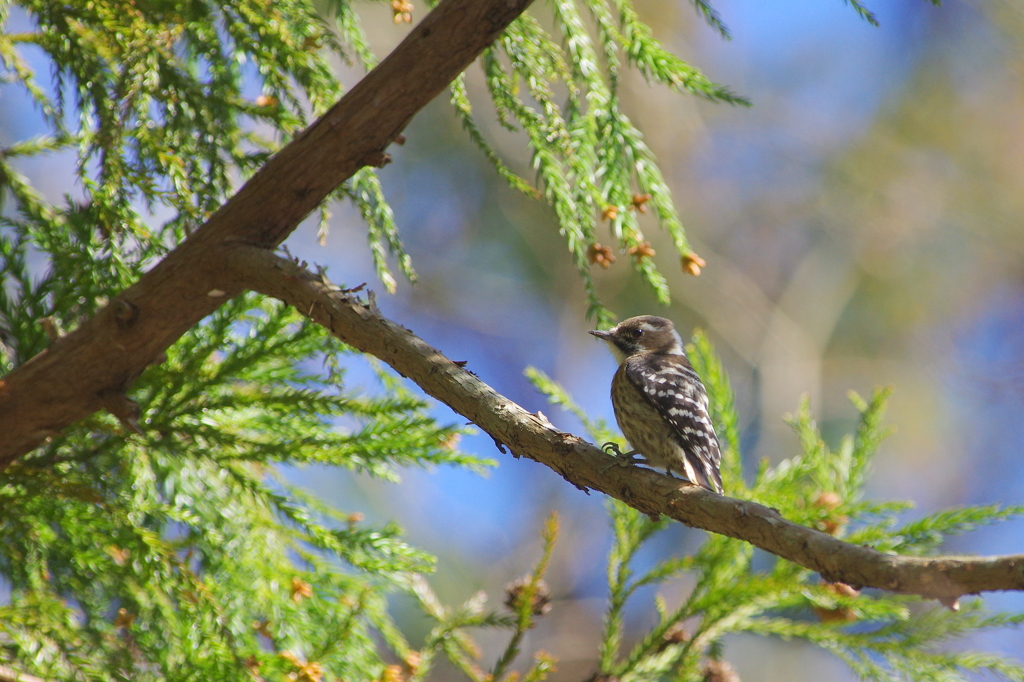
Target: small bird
660 403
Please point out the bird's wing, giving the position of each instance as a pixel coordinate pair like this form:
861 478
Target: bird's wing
676 392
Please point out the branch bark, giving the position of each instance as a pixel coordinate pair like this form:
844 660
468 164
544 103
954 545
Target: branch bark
532 436
92 367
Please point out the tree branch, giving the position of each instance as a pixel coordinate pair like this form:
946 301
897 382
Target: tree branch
529 435
93 366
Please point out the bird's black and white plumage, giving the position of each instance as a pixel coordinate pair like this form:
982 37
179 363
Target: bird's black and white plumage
660 403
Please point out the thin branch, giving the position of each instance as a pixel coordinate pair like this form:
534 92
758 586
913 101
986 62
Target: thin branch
83 371
360 325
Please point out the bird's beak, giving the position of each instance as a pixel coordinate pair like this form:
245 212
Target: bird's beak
603 335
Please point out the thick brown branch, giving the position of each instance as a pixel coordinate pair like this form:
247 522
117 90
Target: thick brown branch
80 372
586 467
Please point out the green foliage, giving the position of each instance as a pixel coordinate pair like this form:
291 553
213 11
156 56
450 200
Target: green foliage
183 553
591 162
881 636
526 599
590 159
153 102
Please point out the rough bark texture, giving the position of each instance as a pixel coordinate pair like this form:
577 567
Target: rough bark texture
92 367
586 467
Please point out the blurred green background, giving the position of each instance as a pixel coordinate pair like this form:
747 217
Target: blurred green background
862 226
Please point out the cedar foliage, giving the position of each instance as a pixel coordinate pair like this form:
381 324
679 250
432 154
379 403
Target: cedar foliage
881 636
182 552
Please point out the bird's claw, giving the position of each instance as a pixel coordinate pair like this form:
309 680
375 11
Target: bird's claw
612 448
621 458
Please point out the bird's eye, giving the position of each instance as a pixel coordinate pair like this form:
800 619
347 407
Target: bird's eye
636 332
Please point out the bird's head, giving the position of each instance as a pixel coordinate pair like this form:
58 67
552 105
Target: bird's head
644 334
